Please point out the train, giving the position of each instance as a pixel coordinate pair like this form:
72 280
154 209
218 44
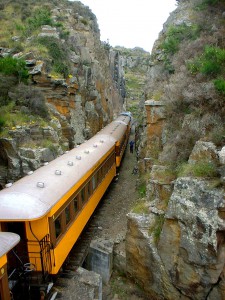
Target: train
47 210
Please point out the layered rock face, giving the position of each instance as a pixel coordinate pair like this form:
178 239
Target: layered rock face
188 259
177 250
79 104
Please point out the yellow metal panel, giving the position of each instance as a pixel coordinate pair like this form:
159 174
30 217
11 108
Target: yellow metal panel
36 231
71 236
3 261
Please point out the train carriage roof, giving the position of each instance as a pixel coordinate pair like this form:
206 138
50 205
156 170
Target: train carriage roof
34 195
116 128
7 241
124 118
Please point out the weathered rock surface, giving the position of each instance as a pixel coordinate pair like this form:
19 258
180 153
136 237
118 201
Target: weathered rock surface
80 103
204 151
187 261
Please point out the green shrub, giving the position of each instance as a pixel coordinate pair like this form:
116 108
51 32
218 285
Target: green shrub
59 54
211 62
176 34
200 169
168 66
51 146
220 86
156 229
142 190
64 34
14 66
140 208
41 16
84 21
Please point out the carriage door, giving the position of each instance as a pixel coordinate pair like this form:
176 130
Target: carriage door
19 254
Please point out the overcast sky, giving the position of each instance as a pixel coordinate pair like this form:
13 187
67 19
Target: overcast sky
131 23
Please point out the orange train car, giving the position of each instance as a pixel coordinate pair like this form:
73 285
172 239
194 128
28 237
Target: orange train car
50 207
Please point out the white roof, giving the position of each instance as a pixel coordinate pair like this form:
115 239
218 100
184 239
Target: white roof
26 199
124 118
7 241
116 128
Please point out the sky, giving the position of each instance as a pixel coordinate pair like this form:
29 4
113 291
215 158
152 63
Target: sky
131 23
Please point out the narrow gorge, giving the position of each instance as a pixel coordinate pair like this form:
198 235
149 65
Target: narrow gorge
60 85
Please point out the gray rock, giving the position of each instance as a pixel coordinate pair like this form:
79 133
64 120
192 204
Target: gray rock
204 151
221 154
37 69
196 260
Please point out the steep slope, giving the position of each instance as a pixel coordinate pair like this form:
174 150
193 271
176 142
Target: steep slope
58 83
176 248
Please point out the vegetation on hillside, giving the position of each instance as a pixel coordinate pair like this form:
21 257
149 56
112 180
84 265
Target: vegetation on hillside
192 82
135 69
21 23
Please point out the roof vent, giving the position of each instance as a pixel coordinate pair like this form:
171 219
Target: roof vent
30 172
86 151
70 163
45 163
78 157
101 141
95 145
8 184
58 172
40 184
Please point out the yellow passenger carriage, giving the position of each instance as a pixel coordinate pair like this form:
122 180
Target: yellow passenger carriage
49 207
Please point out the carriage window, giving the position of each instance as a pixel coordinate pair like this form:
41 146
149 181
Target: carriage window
68 214
89 189
83 195
58 227
75 204
94 182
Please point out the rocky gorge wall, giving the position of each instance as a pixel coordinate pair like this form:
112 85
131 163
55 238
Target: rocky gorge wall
175 248
79 104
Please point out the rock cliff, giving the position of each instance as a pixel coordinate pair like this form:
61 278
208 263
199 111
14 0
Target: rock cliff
79 78
176 248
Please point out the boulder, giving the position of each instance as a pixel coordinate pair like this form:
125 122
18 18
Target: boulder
190 246
204 151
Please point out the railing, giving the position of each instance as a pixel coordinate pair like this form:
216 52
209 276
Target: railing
29 269
40 256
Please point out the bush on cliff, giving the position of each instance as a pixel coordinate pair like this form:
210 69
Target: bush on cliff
6 84
59 54
30 98
176 34
14 66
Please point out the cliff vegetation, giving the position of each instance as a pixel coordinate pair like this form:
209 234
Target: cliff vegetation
178 236
59 83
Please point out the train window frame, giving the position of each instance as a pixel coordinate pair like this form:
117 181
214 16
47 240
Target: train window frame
68 207
60 218
77 197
